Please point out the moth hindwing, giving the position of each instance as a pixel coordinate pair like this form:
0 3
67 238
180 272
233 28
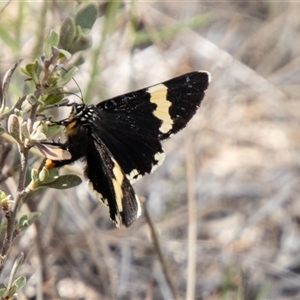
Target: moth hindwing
120 138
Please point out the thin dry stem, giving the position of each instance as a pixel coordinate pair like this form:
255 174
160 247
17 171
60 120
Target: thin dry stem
159 252
192 218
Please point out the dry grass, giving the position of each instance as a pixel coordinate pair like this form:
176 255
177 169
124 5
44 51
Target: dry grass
244 179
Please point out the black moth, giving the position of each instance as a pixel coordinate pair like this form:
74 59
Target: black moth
120 138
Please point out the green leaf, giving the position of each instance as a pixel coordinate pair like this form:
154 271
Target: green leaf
67 76
1 130
52 99
52 81
2 292
52 175
82 42
13 286
17 285
67 33
26 220
23 223
64 53
33 70
43 175
48 177
52 130
24 71
86 16
51 41
20 282
34 174
65 182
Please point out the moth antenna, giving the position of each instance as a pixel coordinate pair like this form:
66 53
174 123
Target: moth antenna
81 98
78 89
65 102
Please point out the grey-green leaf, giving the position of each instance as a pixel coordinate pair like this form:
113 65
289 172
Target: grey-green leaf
26 220
52 99
2 292
64 53
67 33
86 16
65 182
52 41
67 76
17 285
33 71
82 42
52 130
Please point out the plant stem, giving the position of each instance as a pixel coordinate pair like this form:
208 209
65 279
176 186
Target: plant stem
159 253
192 219
20 194
11 214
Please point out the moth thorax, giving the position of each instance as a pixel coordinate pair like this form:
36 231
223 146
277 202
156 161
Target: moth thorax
85 113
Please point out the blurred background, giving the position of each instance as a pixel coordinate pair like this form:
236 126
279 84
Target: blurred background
235 168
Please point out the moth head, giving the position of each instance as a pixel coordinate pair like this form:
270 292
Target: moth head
78 110
83 113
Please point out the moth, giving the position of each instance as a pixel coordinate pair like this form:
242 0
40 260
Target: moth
119 139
